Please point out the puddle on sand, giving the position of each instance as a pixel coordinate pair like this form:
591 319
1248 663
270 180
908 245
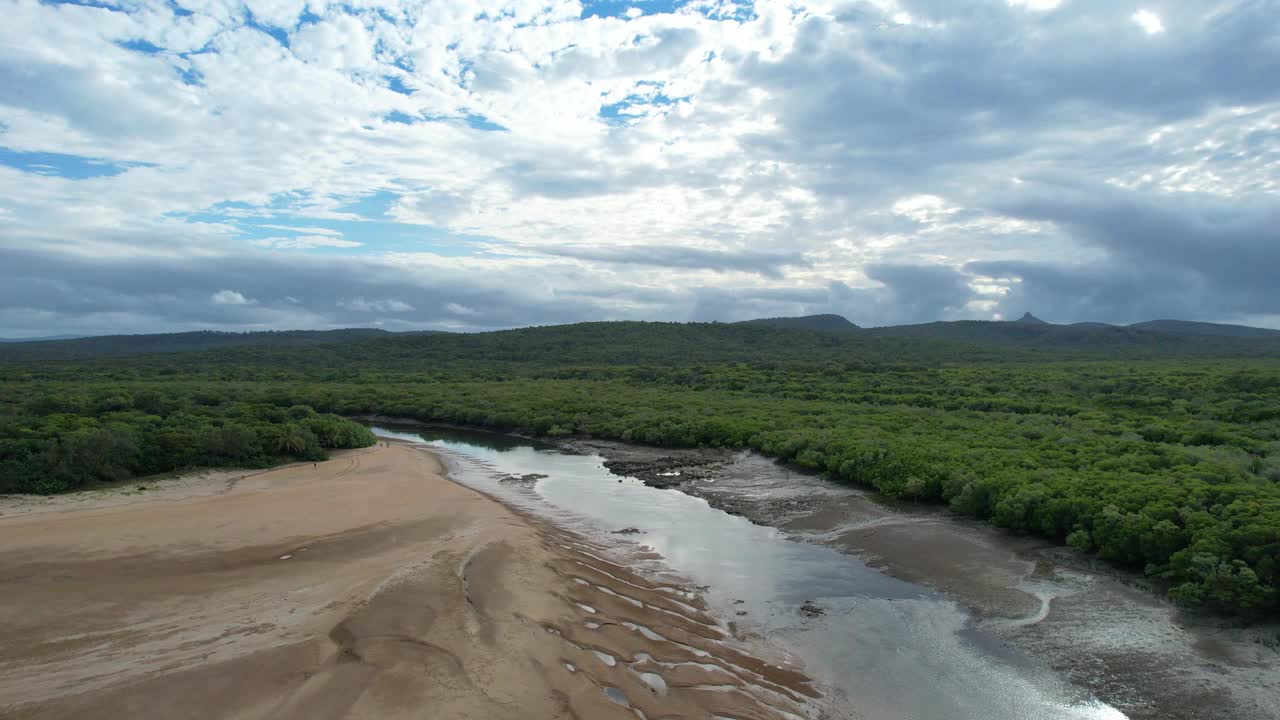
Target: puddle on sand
617 696
894 649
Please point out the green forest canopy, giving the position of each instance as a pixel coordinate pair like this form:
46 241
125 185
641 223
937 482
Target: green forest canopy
1158 455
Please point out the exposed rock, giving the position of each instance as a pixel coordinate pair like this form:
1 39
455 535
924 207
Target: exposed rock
1029 319
665 472
808 609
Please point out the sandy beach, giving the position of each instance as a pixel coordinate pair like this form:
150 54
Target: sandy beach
367 586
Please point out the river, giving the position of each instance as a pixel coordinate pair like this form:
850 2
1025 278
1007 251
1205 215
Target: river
881 647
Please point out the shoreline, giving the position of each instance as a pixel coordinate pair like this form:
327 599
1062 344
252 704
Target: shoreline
367 585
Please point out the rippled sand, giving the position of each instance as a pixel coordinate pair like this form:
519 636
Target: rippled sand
368 586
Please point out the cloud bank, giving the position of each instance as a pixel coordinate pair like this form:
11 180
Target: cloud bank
471 165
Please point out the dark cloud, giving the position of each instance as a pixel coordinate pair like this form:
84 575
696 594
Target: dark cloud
919 293
40 291
1184 254
872 107
285 290
1099 292
747 303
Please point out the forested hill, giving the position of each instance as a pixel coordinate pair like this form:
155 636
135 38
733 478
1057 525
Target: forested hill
636 343
1187 327
38 339
653 343
825 323
109 345
813 338
1172 339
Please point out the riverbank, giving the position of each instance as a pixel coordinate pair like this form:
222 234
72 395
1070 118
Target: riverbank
365 586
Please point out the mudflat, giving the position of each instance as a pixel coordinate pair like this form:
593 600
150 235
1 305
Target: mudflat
367 586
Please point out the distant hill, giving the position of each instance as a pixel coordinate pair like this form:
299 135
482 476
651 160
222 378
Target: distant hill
1096 339
792 339
110 345
1188 327
603 344
825 323
39 339
987 332
592 344
1181 327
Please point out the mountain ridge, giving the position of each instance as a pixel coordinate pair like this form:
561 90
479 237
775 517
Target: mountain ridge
824 334
195 340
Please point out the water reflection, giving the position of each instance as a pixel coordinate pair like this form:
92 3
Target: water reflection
895 649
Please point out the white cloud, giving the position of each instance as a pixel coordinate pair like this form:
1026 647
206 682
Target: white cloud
305 230
456 309
230 297
360 304
1150 22
305 242
1036 5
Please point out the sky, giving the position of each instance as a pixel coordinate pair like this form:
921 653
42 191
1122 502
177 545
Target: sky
477 164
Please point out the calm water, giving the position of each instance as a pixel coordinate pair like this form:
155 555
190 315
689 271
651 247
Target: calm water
895 650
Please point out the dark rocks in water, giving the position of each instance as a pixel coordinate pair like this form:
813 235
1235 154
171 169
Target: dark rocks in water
628 531
740 613
759 510
808 609
664 472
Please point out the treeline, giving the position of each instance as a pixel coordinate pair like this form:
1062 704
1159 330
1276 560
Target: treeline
51 444
615 345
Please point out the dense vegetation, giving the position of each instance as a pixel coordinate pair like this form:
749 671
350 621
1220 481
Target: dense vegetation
53 442
1167 462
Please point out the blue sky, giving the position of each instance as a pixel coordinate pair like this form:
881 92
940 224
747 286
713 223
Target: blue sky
240 164
74 167
365 221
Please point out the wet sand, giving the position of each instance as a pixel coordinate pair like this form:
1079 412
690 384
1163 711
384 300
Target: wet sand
368 586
